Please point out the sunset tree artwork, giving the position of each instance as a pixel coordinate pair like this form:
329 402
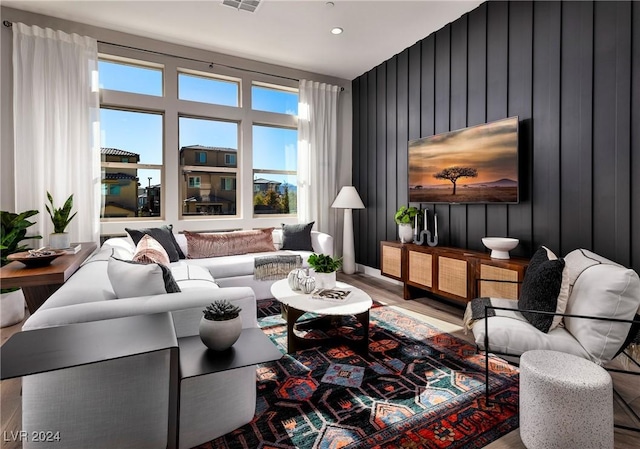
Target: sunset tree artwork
478 164
454 173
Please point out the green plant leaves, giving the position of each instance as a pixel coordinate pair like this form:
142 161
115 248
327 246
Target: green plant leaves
322 263
60 217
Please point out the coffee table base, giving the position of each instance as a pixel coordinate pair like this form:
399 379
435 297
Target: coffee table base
296 343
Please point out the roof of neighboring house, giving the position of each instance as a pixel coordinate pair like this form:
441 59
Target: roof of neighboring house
265 181
119 175
116 152
205 148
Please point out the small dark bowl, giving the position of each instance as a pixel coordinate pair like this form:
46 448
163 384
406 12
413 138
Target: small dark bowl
32 261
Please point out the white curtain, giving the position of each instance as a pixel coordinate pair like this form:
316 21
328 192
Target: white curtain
56 128
318 154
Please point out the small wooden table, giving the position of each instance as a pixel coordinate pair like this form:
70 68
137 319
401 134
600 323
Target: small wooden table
38 283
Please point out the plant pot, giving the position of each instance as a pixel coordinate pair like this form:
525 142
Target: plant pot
405 232
220 335
325 280
11 308
59 241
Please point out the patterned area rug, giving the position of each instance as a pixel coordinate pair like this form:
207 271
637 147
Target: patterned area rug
421 388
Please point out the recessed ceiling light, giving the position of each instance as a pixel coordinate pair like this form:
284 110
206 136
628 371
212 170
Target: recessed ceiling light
336 30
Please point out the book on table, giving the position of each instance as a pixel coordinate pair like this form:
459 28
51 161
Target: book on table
332 294
72 249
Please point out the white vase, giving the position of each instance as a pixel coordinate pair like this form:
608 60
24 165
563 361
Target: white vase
405 232
11 308
59 240
220 335
325 280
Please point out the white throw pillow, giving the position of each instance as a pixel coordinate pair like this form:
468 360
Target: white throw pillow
603 289
130 279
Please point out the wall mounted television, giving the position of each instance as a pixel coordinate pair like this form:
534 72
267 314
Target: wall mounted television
475 165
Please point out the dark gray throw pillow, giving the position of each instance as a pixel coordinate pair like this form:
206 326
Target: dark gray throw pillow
541 287
164 236
297 237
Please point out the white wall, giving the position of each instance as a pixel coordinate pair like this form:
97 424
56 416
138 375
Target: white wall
8 178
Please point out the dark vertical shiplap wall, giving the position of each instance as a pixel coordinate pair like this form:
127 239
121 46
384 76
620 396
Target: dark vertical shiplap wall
569 70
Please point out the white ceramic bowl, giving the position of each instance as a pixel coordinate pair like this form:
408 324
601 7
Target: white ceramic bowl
500 246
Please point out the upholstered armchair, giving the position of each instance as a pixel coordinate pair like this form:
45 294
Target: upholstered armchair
592 313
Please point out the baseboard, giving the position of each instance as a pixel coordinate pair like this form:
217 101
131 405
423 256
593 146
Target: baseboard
376 273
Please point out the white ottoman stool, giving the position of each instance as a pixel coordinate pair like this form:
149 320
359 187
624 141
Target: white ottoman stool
565 402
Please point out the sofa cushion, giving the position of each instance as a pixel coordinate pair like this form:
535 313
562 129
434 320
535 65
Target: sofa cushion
188 276
297 237
238 265
602 288
220 244
540 288
130 279
149 250
164 235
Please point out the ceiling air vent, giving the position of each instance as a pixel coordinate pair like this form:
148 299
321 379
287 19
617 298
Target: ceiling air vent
242 5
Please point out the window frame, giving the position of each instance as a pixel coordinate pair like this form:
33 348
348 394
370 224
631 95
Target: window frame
171 107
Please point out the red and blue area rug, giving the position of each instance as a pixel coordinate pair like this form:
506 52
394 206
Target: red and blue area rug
420 388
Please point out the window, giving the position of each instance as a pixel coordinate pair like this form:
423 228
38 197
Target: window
265 97
228 184
194 181
201 157
206 89
202 140
131 154
275 162
128 77
216 193
230 159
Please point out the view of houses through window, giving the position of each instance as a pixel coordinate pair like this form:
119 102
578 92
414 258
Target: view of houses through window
134 120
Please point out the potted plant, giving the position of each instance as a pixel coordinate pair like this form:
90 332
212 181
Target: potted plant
60 219
14 231
221 325
324 267
405 218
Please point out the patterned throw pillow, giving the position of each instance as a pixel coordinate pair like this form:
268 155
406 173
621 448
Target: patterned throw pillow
297 237
220 244
164 236
130 279
541 287
149 250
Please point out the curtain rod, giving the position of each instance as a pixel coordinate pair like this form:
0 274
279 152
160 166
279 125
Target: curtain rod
8 24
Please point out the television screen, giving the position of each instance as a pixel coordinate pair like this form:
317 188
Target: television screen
478 164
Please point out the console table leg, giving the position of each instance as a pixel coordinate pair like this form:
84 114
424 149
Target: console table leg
36 296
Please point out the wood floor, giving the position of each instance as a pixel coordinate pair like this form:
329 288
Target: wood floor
390 294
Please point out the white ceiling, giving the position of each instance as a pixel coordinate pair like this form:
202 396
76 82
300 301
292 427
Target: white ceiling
292 33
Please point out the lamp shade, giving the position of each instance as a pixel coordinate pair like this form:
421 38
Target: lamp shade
348 198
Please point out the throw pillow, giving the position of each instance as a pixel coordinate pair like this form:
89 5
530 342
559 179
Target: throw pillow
164 236
150 251
130 279
219 244
297 237
541 287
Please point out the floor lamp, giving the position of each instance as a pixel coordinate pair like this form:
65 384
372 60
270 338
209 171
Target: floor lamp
348 199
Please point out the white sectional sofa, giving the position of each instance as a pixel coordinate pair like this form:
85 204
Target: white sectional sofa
124 403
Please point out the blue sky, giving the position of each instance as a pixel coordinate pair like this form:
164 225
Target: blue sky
274 148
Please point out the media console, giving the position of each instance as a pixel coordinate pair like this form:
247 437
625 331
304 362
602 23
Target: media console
453 273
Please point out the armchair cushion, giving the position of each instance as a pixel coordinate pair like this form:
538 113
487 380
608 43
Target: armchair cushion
541 287
602 289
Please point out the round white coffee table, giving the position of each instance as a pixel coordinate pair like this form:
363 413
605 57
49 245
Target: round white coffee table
296 304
